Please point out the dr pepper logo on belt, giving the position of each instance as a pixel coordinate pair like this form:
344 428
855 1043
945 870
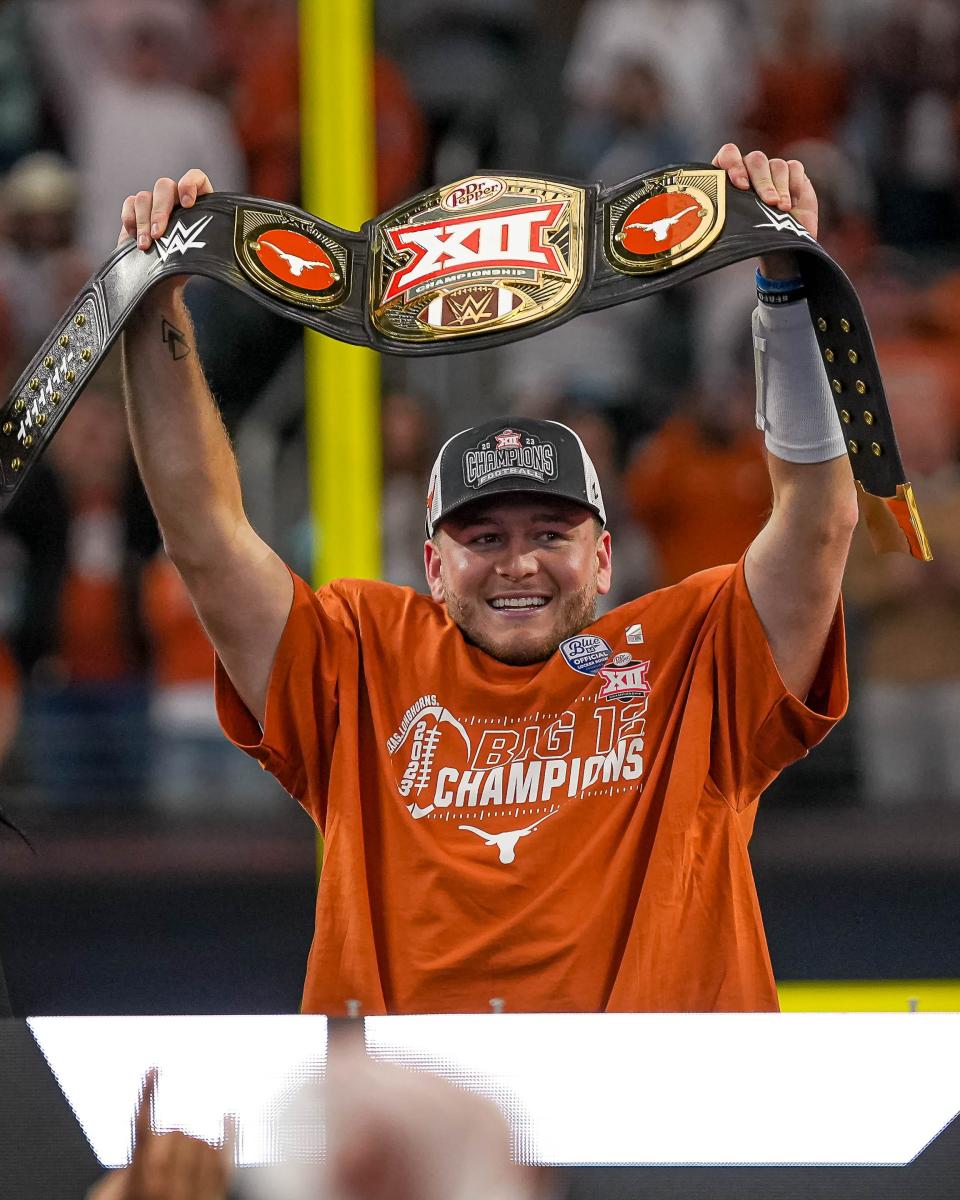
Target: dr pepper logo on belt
669 219
291 258
488 252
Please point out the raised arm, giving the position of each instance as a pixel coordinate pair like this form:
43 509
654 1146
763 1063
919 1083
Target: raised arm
240 587
794 567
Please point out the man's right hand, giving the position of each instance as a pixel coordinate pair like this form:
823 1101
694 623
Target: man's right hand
145 215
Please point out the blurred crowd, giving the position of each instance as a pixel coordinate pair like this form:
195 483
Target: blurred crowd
105 673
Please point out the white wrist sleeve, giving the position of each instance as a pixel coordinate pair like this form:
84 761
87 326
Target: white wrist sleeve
795 407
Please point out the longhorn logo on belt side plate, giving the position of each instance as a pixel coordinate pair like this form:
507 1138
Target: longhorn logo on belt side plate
671 218
488 252
292 258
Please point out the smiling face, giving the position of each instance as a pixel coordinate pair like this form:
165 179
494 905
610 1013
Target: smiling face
519 574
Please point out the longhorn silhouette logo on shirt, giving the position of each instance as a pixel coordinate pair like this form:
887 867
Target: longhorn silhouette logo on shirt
505 841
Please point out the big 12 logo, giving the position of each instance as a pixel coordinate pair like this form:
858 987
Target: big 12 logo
438 275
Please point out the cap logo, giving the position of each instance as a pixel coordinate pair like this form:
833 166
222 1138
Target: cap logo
509 452
510 439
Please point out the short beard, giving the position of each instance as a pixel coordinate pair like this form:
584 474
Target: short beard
577 611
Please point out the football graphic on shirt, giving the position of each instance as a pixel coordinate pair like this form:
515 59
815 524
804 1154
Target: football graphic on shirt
434 739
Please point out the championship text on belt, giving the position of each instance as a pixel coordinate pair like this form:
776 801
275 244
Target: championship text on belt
487 260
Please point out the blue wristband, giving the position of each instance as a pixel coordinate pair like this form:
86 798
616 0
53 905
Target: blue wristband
778 285
779 291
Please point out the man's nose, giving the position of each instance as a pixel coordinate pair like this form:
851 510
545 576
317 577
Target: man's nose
517 562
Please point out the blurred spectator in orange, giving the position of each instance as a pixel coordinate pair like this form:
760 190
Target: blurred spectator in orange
803 88
632 576
919 352
937 334
699 485
257 68
691 43
408 445
88 700
91 455
193 769
629 130
401 134
256 47
909 614
123 78
40 269
922 360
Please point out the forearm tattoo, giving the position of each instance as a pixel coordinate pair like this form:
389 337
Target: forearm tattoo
174 339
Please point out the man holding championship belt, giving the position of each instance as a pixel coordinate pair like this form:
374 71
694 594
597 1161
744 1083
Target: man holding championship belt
521 803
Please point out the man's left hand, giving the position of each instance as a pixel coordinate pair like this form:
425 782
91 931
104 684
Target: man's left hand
782 184
168 1166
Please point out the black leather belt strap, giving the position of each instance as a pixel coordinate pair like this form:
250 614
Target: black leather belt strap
484 261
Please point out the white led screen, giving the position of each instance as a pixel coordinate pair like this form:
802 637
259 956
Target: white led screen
808 1089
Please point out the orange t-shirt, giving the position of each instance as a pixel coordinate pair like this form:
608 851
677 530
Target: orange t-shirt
569 836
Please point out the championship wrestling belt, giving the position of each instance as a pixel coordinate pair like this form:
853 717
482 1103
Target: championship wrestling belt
481 262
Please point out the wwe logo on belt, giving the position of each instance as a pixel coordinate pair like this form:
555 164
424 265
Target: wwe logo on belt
508 242
182 238
784 221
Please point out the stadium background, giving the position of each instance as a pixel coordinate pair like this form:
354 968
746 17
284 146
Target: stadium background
169 874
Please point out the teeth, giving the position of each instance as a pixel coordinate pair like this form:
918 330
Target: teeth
519 602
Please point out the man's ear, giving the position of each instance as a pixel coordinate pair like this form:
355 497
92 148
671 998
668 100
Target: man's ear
431 565
604 563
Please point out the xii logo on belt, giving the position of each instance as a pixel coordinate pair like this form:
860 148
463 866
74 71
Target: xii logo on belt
484 253
671 218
